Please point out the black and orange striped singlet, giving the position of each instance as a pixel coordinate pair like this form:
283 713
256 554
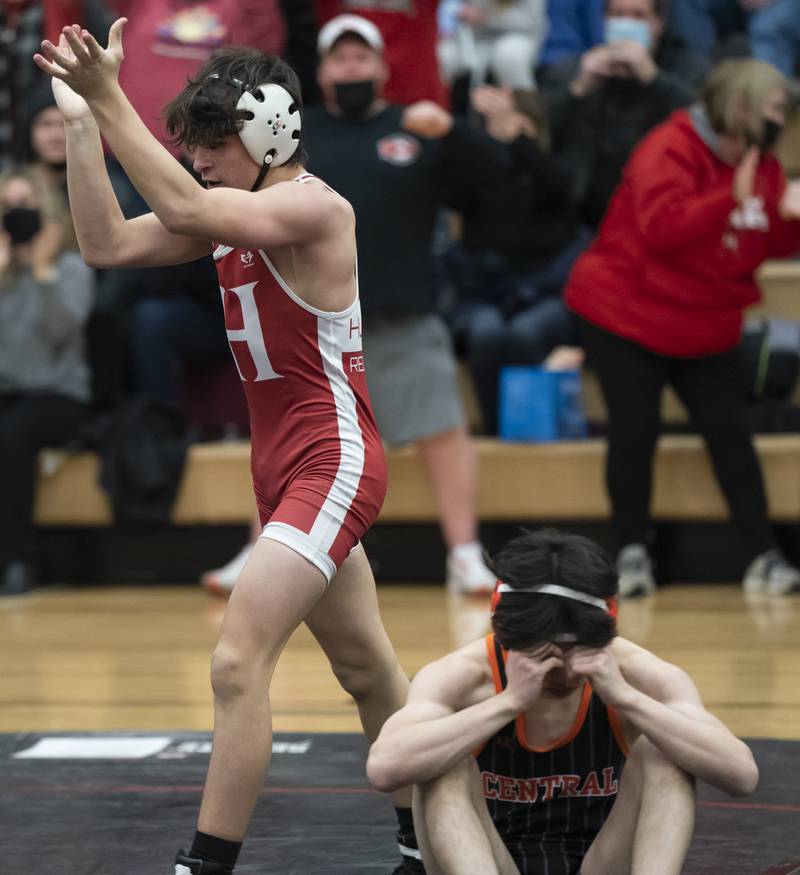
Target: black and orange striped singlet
549 804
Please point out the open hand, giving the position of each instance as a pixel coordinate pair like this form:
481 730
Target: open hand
595 67
635 58
84 65
489 100
73 107
744 177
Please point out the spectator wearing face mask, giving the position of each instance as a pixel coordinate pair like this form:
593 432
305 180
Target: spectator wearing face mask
661 295
497 38
618 93
45 298
772 27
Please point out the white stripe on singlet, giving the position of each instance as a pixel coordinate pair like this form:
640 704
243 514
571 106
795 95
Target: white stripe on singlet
351 442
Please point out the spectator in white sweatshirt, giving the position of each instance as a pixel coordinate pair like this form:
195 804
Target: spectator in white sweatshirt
501 38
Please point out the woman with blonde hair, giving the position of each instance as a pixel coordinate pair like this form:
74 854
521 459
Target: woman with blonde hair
45 297
661 295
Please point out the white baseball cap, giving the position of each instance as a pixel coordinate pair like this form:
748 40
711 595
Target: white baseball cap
343 24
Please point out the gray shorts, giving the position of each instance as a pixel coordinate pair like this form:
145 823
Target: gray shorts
412 377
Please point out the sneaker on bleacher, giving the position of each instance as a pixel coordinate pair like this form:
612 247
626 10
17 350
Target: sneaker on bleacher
771 574
635 570
221 581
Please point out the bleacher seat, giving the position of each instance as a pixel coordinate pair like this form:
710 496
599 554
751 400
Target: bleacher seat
560 481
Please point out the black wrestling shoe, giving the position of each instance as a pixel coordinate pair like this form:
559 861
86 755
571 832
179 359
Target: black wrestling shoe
192 866
411 863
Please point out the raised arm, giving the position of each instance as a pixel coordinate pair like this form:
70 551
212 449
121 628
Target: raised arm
279 215
661 702
445 719
105 237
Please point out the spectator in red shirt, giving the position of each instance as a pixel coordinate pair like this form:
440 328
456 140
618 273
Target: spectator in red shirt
410 32
661 295
172 41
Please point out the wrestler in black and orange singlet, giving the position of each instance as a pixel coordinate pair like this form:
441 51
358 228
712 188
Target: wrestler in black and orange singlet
548 805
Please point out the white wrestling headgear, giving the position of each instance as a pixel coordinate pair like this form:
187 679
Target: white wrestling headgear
271 133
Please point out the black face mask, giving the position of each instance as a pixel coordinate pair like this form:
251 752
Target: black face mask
22 224
354 98
771 134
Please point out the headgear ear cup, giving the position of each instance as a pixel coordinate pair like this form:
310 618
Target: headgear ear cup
271 133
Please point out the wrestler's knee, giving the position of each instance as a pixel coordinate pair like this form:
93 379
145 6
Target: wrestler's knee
360 678
450 787
234 671
646 759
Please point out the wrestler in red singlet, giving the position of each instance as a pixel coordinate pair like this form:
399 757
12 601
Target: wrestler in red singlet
318 465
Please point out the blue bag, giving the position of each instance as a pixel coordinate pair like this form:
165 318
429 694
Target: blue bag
540 405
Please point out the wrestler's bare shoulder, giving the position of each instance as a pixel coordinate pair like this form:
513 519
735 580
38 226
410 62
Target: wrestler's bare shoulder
463 677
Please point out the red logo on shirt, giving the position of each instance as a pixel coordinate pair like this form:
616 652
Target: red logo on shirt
399 149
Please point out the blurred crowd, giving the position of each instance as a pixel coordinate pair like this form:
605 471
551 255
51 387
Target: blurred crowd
488 147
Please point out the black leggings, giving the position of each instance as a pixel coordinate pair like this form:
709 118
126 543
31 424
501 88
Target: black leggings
632 379
27 424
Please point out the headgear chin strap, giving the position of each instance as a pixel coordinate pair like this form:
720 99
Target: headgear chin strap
271 132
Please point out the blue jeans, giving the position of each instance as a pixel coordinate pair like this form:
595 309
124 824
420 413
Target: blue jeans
494 337
774 31
525 339
168 332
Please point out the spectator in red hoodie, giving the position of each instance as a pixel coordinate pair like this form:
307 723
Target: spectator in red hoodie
661 295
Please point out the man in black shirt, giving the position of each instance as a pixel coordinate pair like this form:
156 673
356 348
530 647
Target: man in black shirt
555 746
397 166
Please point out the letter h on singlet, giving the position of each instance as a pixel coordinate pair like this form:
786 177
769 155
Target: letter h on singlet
251 334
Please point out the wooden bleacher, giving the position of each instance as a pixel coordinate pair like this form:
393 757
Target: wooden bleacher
560 481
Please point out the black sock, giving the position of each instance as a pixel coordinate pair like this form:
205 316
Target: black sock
406 835
215 850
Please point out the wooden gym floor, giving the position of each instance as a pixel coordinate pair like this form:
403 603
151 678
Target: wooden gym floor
137 658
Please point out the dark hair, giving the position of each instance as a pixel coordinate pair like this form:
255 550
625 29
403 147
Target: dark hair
205 113
526 620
